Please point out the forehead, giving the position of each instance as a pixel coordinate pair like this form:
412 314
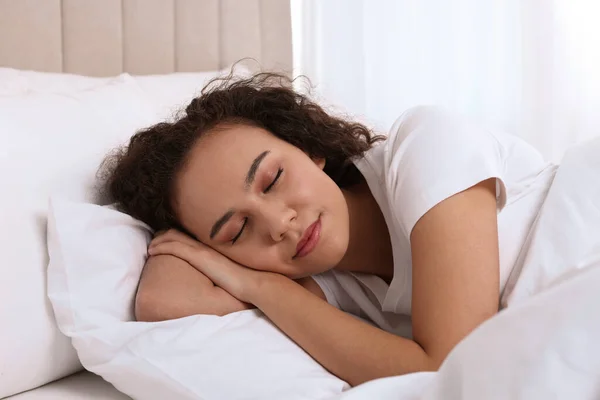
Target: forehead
212 180
230 146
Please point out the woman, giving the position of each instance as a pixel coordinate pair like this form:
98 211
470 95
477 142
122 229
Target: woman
262 199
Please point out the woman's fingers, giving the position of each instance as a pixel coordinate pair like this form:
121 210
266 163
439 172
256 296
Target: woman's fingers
175 235
223 272
196 254
158 233
172 248
164 236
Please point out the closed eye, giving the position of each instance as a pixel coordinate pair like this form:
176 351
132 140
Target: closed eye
240 232
279 172
267 189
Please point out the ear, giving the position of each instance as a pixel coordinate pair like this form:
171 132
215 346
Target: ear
320 162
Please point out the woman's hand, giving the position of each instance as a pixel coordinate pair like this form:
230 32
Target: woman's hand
238 280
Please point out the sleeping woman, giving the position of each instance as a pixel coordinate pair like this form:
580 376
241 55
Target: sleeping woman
375 254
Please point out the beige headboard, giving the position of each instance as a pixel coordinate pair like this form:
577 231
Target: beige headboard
107 37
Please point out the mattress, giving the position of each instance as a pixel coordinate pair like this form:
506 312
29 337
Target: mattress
80 386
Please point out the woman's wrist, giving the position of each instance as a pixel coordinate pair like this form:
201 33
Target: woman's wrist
266 282
261 285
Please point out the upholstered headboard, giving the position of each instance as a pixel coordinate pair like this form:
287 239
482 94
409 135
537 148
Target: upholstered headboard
107 37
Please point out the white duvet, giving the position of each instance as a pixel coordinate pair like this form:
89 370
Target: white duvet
546 344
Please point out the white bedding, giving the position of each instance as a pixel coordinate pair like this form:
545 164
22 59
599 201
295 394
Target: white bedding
545 348
546 344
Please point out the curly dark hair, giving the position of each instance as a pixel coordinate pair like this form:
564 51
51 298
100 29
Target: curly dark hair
139 177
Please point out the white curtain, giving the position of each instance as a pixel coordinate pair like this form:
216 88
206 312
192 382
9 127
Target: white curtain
531 67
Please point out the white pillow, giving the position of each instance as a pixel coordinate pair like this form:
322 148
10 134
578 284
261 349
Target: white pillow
167 93
96 257
172 92
15 81
50 142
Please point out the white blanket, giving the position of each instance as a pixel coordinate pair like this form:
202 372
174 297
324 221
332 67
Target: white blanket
546 344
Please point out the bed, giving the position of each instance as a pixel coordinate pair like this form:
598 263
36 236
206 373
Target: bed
104 39
540 348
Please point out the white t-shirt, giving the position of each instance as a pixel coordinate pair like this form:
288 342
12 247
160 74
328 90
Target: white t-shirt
430 155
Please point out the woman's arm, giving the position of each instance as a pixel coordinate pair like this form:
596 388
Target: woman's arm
456 269
348 347
171 288
455 288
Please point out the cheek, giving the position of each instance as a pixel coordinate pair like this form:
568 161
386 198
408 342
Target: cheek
307 186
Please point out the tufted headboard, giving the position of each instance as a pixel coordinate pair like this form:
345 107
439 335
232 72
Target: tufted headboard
107 37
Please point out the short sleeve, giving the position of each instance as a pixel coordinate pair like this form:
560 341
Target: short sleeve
326 282
361 295
431 155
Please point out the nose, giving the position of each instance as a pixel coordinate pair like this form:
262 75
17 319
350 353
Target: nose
279 219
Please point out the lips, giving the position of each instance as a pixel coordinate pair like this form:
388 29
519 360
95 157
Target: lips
309 239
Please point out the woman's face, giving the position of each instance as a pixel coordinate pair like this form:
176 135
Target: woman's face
262 202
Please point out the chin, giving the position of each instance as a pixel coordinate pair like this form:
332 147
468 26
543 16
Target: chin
330 262
336 252
311 268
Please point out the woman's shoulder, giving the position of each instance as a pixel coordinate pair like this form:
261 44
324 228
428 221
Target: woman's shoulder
437 126
423 122
433 153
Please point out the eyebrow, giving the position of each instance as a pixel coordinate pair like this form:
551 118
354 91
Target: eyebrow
254 167
220 222
250 177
